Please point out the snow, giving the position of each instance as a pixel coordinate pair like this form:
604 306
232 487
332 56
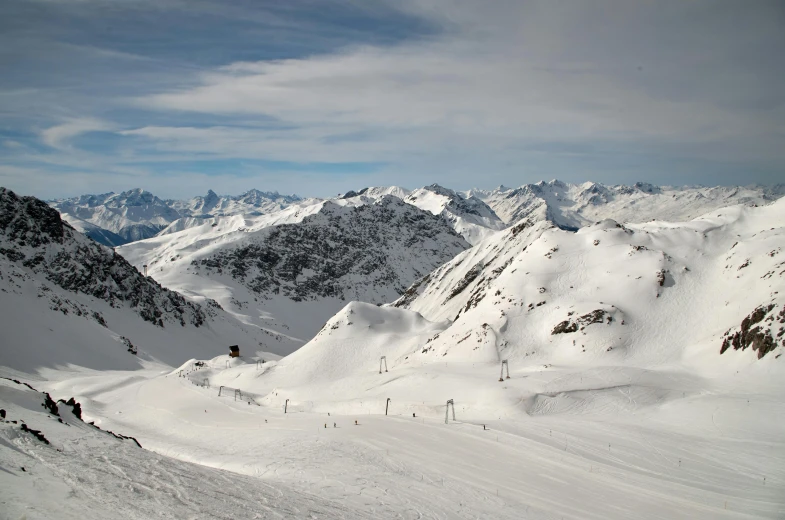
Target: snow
470 217
367 249
88 474
576 205
639 416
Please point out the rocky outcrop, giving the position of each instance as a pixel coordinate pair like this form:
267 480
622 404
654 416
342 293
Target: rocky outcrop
370 253
597 316
763 330
41 243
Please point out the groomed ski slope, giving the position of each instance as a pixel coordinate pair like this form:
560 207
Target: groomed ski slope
601 443
85 473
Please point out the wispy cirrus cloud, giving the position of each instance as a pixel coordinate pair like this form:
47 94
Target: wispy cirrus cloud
59 136
396 92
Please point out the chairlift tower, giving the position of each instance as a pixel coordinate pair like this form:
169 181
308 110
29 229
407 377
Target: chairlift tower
387 407
450 403
383 359
504 364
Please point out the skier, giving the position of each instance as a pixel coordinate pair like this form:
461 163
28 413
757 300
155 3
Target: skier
334 425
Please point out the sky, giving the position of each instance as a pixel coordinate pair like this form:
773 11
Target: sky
317 97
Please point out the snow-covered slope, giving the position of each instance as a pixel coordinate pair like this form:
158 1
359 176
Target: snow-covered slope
703 299
469 216
618 404
55 465
133 215
137 214
99 234
575 205
68 300
289 271
605 293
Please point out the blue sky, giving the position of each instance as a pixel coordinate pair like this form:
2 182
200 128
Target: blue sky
318 97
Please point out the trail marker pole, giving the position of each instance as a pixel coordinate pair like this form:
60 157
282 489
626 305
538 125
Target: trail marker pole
387 407
285 406
220 388
501 375
383 359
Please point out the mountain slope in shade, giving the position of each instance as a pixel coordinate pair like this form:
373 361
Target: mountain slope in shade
572 206
68 300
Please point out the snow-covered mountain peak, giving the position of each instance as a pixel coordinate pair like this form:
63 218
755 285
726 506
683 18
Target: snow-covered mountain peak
471 217
28 222
572 206
134 197
258 198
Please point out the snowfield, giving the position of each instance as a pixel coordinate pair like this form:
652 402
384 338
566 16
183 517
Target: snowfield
617 402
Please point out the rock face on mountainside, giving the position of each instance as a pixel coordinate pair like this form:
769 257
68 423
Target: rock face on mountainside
571 206
763 331
371 253
36 243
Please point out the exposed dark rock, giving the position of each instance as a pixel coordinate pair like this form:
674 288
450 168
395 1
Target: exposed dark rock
340 252
412 292
467 279
575 324
756 331
76 408
35 433
73 262
565 327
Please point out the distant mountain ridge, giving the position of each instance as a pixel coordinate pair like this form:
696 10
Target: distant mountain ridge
115 219
572 206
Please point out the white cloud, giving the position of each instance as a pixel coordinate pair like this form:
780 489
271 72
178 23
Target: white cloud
510 73
58 136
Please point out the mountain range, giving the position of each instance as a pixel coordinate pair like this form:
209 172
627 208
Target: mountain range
423 353
116 219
